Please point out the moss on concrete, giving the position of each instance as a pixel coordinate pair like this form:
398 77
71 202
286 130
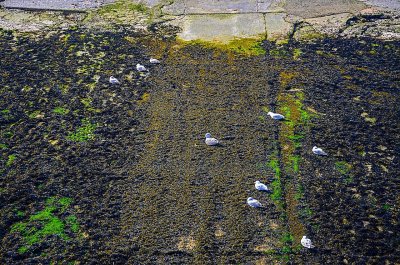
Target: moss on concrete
242 46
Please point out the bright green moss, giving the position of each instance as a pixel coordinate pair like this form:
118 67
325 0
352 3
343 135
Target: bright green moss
276 194
343 167
295 162
297 53
274 165
279 52
22 249
60 111
83 133
246 46
242 46
73 223
65 203
5 112
287 238
45 223
10 160
20 213
299 193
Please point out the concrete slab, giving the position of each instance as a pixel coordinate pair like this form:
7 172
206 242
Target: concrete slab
329 25
221 27
387 4
54 4
149 3
218 6
319 8
276 26
177 8
270 6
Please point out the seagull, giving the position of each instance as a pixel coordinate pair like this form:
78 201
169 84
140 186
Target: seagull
306 242
113 80
276 116
154 61
141 68
253 203
261 186
211 141
318 151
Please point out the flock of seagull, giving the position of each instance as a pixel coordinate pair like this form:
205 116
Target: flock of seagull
305 242
139 67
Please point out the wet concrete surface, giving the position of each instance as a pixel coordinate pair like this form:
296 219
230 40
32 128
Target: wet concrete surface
390 4
54 4
307 9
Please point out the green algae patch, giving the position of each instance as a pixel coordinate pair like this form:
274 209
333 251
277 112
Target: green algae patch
10 160
46 222
343 167
246 46
297 53
35 115
286 77
121 11
291 134
242 46
276 195
60 111
83 133
123 6
72 221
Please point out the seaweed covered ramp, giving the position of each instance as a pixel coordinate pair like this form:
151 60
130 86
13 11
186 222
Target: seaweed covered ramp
189 204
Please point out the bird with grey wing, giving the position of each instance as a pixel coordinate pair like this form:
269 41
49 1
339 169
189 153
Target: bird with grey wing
210 140
319 151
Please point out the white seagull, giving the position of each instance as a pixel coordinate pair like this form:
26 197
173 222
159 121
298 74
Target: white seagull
141 68
261 186
306 242
113 80
211 141
154 61
276 116
253 203
319 151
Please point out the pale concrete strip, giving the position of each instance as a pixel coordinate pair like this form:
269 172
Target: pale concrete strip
270 6
318 8
389 4
177 8
54 4
192 7
221 27
276 26
232 6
